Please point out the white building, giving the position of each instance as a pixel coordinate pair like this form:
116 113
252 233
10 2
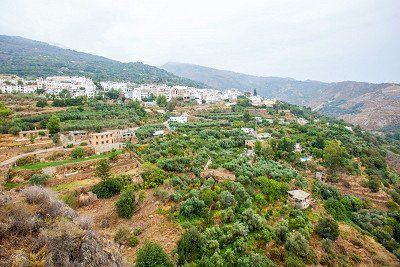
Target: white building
179 119
249 131
76 86
158 133
302 121
299 198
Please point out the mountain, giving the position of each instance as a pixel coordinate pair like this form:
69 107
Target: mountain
372 106
29 58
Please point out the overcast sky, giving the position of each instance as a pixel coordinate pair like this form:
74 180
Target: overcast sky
321 40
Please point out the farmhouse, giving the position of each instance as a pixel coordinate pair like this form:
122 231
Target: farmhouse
102 138
299 198
35 133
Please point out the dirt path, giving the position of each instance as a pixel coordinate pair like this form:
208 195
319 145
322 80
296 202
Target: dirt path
40 151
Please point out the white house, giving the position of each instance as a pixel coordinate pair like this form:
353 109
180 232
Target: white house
299 198
179 119
297 148
302 121
250 131
261 136
158 133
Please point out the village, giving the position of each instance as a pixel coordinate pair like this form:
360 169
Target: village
85 87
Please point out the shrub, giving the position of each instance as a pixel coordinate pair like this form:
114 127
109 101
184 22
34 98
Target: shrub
327 245
70 145
255 259
110 187
106 188
121 235
328 228
190 246
26 160
192 207
374 184
153 176
103 169
126 204
251 219
294 261
39 179
296 244
335 208
78 153
152 254
133 240
227 199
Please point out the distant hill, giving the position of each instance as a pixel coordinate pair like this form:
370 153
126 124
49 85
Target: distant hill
29 58
373 106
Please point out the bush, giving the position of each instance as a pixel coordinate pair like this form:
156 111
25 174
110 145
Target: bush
39 179
251 219
106 188
152 254
192 207
328 228
190 246
335 208
78 153
26 160
227 199
110 187
121 235
297 244
374 184
133 240
153 176
126 204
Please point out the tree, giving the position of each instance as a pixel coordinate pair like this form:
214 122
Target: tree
297 244
103 170
255 92
334 154
126 204
78 153
190 246
53 124
328 228
374 184
4 111
172 104
161 100
112 94
257 148
41 103
152 255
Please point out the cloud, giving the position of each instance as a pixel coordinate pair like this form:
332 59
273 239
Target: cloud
324 40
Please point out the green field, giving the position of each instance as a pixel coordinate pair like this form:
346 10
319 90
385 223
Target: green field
41 165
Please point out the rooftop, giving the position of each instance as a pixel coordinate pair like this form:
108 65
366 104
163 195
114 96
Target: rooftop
299 194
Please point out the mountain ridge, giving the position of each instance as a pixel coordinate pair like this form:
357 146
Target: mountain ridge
31 58
334 99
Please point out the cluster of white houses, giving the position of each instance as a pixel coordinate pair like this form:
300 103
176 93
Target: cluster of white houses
82 86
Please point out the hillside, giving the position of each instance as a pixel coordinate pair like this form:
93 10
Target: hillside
373 106
29 58
201 193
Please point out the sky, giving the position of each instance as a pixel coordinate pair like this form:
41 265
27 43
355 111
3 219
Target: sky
322 40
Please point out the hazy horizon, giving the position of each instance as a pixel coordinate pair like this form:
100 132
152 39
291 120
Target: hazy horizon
311 40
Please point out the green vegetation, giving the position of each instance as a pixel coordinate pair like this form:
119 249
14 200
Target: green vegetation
126 204
39 179
152 255
41 165
36 59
